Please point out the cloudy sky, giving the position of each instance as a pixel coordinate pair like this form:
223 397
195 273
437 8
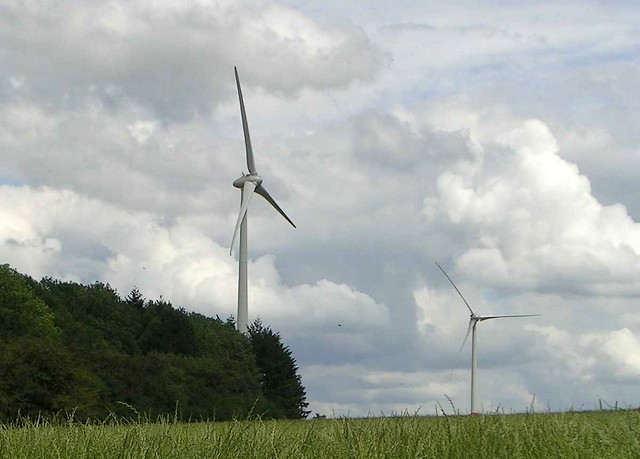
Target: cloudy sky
498 140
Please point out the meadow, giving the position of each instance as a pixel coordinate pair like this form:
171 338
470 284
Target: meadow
612 434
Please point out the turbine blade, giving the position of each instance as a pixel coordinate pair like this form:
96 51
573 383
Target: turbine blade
507 316
454 286
245 127
466 336
262 192
247 193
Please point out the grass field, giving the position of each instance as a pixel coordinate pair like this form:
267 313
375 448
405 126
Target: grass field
563 435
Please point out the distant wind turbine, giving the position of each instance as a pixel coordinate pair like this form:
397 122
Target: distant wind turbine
248 184
473 321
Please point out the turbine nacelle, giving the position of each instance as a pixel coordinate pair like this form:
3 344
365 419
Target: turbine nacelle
255 178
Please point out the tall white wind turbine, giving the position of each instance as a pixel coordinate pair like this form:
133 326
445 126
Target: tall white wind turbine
248 184
473 321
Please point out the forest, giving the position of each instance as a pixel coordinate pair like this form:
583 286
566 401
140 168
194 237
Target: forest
85 351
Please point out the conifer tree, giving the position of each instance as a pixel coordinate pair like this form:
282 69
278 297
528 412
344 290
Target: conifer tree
281 383
135 298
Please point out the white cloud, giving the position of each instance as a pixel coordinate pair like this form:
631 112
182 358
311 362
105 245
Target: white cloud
622 347
534 219
438 312
142 130
585 367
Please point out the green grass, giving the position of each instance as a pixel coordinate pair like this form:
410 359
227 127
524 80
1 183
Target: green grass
566 435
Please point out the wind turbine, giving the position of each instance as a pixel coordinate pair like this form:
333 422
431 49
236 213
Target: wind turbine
473 321
248 184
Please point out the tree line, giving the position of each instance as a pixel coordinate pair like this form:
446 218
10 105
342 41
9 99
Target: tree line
67 347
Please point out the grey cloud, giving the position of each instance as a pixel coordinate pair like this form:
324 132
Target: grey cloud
174 170
174 58
384 141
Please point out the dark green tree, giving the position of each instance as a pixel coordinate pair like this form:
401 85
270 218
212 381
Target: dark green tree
281 383
135 299
167 330
21 311
38 376
83 348
37 372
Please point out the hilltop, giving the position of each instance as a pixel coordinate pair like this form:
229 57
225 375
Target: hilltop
67 347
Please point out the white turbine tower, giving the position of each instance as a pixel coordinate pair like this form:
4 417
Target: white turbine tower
473 321
248 184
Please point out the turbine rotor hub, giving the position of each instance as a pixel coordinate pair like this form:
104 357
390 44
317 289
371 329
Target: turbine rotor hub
255 178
